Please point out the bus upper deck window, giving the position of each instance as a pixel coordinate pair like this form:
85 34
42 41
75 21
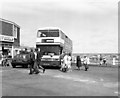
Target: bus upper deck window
39 34
43 35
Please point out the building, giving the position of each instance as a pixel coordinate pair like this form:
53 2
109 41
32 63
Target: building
9 37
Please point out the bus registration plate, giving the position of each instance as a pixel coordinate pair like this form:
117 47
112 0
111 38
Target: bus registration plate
46 64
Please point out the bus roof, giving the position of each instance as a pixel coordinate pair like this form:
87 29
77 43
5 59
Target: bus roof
50 28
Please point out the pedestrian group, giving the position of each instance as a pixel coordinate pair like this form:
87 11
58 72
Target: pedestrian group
34 61
66 61
82 62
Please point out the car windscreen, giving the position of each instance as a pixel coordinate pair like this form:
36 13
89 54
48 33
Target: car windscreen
20 56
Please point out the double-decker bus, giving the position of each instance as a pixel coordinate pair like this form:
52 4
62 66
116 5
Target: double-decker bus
52 43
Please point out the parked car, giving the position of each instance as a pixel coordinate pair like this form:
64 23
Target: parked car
21 60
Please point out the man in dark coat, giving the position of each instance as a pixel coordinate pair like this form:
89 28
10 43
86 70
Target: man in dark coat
39 55
34 61
31 60
78 64
37 60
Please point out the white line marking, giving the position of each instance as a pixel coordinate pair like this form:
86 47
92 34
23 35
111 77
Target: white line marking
23 71
75 79
110 84
116 92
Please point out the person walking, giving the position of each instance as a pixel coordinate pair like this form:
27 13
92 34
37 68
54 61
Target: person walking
78 63
36 62
33 62
31 59
39 55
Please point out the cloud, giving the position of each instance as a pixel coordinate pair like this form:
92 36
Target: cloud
90 24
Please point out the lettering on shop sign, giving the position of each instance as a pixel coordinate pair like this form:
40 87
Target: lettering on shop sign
6 38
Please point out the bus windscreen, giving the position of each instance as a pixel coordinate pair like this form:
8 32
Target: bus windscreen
50 49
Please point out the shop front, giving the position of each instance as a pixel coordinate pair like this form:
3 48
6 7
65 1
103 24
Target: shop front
9 37
6 45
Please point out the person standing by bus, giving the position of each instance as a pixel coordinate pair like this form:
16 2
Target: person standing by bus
64 67
78 64
62 60
69 61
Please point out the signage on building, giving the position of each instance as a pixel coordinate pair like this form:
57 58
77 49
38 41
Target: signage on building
6 38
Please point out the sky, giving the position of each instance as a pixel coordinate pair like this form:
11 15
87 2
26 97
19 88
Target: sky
92 25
